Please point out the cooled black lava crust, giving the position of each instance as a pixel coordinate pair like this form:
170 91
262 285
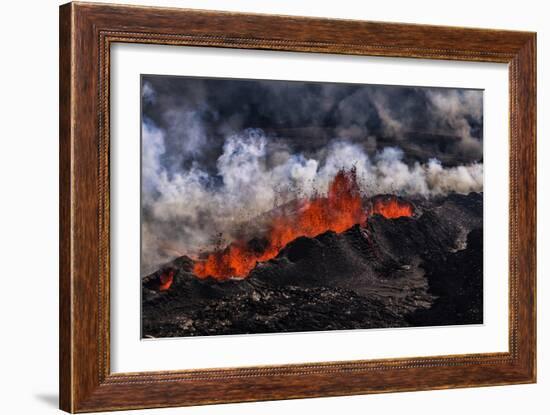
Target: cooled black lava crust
424 270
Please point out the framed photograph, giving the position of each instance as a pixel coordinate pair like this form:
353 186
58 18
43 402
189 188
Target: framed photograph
260 207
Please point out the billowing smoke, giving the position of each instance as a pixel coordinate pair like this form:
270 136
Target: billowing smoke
187 211
218 154
196 116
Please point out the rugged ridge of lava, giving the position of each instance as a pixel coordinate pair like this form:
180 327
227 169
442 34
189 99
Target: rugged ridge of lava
390 272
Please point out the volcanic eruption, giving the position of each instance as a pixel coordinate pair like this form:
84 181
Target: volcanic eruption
390 207
339 210
272 206
397 266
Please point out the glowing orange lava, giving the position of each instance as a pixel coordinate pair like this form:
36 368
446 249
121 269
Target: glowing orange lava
391 207
339 210
166 279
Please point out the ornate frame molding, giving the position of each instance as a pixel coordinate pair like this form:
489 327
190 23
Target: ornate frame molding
87 31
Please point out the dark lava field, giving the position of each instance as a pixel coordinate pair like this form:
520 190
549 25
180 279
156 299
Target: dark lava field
422 270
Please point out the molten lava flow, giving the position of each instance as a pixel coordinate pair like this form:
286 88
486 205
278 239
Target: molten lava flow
166 279
391 207
339 210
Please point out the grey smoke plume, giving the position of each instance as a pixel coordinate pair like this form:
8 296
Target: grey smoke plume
218 153
185 211
198 114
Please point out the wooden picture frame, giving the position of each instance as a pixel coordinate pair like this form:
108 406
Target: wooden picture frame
86 33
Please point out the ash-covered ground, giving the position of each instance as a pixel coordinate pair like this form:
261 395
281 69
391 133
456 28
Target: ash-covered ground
422 270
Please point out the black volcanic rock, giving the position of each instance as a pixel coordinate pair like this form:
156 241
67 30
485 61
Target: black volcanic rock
357 258
281 309
457 283
421 270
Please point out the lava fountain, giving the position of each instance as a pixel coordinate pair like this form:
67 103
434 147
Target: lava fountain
390 207
340 209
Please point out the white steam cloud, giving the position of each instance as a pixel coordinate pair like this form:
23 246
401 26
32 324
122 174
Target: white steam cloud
185 211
